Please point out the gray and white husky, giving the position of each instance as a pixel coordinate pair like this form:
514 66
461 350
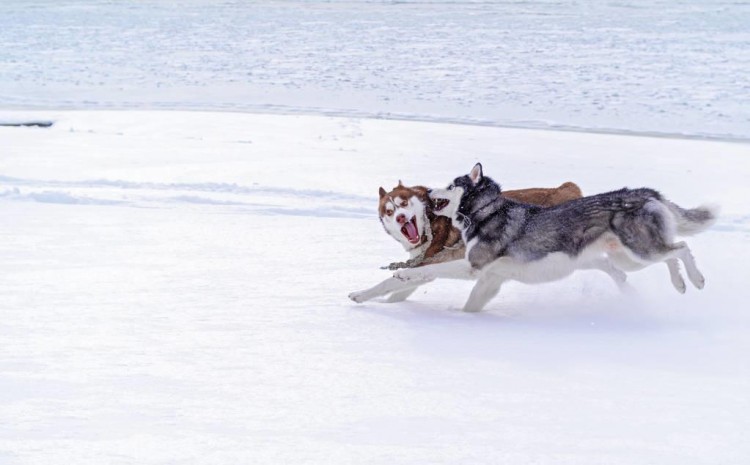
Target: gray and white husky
624 230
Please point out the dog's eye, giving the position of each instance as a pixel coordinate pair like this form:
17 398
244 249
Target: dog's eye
450 188
389 212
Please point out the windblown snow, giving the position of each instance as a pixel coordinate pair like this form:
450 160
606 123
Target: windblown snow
173 283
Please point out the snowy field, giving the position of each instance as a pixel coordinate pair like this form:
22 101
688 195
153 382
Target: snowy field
173 283
173 290
667 66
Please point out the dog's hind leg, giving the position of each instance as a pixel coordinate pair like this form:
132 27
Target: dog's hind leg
623 260
674 274
682 251
617 275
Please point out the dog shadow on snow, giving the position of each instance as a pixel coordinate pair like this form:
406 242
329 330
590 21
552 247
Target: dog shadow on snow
543 331
588 309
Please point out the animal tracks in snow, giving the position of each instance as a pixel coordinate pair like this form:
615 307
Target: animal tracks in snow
261 200
258 200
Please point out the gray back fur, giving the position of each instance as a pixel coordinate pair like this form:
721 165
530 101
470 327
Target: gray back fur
503 227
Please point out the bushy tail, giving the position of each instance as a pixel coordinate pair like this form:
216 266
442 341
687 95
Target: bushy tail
694 220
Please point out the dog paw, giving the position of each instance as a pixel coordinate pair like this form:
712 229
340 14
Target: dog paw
698 281
679 284
358 297
395 266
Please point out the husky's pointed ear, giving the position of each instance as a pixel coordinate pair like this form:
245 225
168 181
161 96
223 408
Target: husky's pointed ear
382 192
476 173
400 184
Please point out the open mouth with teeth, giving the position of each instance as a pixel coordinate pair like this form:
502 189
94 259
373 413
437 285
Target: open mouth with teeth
439 204
410 231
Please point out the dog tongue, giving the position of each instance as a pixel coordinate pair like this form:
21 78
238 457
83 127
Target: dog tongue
411 231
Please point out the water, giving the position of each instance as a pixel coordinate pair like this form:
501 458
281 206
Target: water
659 67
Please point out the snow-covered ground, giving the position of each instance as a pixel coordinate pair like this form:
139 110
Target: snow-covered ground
667 66
173 284
173 290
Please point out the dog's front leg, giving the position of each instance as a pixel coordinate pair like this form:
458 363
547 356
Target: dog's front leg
618 276
404 282
491 277
393 285
487 287
456 269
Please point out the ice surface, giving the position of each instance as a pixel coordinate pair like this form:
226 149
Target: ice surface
174 291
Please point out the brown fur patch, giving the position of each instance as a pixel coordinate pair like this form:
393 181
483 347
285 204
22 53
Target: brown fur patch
546 197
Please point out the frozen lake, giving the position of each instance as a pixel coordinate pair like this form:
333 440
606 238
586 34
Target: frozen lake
657 67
